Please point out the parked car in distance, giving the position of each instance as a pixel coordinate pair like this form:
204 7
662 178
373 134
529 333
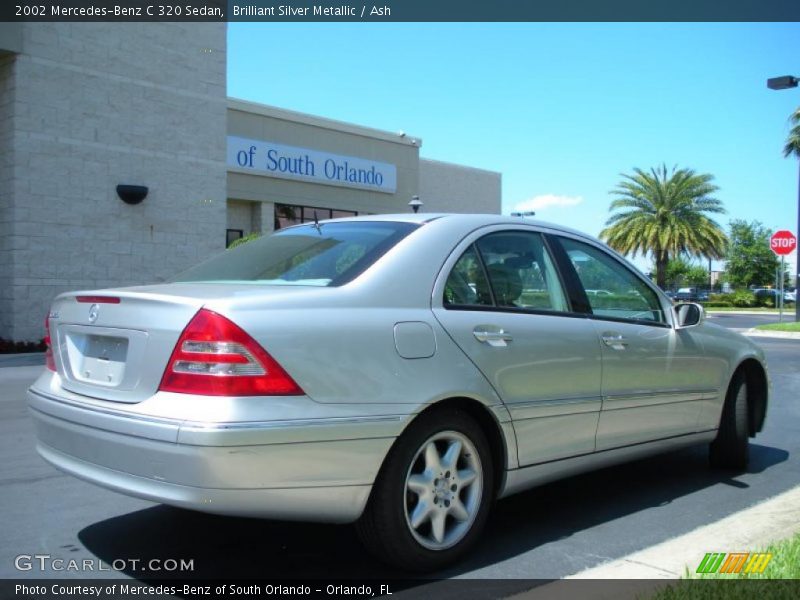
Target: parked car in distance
396 371
686 294
774 295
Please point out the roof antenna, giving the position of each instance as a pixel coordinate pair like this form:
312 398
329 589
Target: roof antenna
316 224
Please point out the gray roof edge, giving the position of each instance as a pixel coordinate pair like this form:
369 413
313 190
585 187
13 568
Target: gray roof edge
323 122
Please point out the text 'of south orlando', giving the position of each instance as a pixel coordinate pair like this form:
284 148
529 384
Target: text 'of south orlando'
283 10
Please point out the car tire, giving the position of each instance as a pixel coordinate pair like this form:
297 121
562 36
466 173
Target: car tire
731 448
432 496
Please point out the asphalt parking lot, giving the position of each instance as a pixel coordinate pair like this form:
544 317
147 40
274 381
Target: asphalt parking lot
550 532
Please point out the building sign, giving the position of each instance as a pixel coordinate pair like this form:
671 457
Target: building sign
302 164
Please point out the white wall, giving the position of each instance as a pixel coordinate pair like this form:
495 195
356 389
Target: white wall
447 187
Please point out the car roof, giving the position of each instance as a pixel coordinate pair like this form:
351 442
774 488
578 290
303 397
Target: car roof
472 219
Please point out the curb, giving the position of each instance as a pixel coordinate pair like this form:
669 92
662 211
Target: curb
25 359
744 312
781 335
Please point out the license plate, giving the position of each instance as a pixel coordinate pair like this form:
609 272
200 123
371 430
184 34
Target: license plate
102 359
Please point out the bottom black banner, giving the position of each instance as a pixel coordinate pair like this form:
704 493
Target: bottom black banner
456 589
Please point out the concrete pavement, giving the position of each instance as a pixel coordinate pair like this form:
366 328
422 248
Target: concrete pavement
745 531
22 360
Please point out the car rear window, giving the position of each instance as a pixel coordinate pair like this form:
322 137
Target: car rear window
324 254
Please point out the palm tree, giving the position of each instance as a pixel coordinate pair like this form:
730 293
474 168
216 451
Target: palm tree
665 214
793 141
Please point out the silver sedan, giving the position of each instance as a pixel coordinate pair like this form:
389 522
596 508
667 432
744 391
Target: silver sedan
397 371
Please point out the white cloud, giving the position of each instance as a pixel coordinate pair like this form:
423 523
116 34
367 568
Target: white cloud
545 201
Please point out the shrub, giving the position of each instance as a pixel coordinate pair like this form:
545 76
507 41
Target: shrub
243 240
743 299
718 301
11 347
765 301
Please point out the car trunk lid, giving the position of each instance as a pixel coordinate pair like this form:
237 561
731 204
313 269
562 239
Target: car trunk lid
115 344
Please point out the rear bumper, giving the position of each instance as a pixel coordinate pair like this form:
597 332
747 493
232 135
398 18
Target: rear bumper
320 470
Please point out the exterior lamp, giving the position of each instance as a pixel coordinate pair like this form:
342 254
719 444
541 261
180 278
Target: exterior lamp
415 203
782 83
786 82
131 194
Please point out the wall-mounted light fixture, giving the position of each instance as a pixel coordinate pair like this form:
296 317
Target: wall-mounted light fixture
131 194
415 203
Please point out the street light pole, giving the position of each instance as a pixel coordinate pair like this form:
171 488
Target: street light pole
786 82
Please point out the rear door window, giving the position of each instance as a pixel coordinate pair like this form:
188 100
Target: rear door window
507 269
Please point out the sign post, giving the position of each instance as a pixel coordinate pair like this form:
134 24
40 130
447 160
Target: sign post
782 242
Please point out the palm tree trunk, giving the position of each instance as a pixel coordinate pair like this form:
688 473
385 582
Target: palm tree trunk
661 269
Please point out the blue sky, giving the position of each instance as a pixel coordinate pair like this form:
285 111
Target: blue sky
559 109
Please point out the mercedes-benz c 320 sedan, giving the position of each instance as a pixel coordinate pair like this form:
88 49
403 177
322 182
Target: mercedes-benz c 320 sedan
401 372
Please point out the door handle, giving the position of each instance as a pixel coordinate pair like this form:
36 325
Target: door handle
492 335
615 341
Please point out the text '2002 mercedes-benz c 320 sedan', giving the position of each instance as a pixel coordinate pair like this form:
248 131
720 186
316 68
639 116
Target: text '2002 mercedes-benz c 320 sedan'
397 371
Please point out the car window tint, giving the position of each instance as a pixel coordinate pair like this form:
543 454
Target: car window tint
466 284
521 272
613 290
324 254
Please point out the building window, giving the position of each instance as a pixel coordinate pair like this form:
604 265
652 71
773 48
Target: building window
286 215
231 235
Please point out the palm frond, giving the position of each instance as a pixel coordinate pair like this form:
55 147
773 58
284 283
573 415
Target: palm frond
665 213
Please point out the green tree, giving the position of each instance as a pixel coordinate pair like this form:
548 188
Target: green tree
676 270
697 276
664 214
681 273
750 261
792 146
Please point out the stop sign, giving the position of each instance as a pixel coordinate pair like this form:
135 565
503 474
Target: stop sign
783 242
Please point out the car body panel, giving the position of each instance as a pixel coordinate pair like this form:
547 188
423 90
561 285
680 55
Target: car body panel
548 375
728 350
652 386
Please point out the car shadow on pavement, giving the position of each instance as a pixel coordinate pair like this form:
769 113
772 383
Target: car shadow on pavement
238 548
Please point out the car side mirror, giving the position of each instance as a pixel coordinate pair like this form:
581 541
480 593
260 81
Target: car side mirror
689 314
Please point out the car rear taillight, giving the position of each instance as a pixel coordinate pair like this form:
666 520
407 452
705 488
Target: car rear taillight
215 357
49 361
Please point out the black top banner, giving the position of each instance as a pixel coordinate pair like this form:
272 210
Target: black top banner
400 10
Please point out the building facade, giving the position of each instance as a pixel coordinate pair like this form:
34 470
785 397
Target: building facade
86 107
286 167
